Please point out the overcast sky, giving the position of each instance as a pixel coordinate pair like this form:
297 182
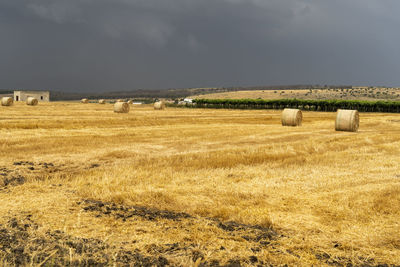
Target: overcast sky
104 45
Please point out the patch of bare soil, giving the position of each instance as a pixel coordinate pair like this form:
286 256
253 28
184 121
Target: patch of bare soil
18 173
124 212
22 171
343 261
22 244
253 233
9 177
257 237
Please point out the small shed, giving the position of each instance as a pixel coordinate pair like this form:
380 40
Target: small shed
39 95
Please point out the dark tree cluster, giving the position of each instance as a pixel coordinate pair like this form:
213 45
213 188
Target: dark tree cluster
303 104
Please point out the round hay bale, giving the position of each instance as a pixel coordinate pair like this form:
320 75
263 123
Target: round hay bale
159 105
31 101
102 101
291 117
130 102
347 120
7 101
121 107
85 100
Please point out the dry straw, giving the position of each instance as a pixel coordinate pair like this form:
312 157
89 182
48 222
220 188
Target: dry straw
7 101
120 100
347 120
85 100
291 117
31 101
102 101
159 105
121 107
130 102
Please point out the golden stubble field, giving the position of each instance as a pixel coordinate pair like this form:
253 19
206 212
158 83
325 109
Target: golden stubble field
80 184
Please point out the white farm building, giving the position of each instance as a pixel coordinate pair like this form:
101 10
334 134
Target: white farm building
39 95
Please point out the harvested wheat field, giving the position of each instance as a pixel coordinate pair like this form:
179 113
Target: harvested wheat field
82 185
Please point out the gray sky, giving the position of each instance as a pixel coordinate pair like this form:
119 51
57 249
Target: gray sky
105 45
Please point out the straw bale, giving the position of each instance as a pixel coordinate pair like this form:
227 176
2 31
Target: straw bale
291 117
159 105
31 101
7 101
347 120
121 107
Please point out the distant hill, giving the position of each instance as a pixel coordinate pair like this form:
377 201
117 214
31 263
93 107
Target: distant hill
366 93
175 93
168 93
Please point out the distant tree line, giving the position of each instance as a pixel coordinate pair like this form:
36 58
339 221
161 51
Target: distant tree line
303 104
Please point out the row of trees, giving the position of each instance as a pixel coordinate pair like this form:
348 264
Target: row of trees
313 105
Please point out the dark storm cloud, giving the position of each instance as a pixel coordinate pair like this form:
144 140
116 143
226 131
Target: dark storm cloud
99 45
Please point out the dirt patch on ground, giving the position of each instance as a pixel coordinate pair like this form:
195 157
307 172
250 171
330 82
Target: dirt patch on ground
21 172
21 243
50 167
253 233
125 212
344 261
256 236
9 177
13 181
